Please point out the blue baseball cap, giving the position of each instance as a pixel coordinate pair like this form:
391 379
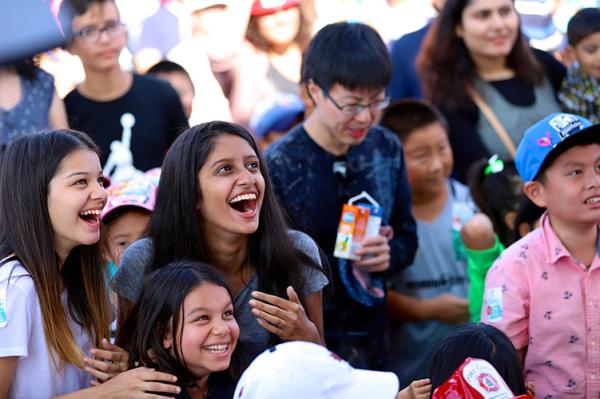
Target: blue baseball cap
277 112
550 137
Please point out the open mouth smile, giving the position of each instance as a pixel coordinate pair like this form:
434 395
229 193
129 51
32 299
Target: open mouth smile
91 216
244 203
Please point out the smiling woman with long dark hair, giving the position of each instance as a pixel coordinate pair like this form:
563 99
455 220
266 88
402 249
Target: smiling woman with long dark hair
215 204
475 49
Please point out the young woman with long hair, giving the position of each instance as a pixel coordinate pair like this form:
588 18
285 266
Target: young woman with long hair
215 204
53 302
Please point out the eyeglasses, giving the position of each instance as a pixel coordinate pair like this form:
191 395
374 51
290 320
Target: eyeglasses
350 110
92 35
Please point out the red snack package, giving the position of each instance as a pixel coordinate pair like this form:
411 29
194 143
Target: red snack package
475 379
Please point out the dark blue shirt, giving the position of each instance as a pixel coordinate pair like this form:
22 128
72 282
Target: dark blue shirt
313 195
405 81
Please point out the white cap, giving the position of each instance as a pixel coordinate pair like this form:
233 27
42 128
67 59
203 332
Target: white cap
303 370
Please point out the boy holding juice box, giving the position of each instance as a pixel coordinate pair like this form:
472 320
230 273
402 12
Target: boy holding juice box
336 154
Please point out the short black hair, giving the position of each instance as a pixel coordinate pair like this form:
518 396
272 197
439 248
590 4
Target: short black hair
584 23
166 66
405 116
74 8
591 136
352 55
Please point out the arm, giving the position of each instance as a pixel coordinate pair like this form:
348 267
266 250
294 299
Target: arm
57 114
404 244
7 372
314 311
506 298
446 307
137 383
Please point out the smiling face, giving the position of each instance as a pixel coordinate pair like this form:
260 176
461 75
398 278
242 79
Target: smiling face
336 132
428 160
104 53
76 197
571 188
208 332
587 52
232 188
130 226
281 27
489 28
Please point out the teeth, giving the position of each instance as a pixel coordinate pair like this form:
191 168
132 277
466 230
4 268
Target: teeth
91 212
216 348
243 197
593 200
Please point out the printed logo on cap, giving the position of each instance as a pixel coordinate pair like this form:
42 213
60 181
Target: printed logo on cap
565 125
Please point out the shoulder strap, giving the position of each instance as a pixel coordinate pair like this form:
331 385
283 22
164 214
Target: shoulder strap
493 120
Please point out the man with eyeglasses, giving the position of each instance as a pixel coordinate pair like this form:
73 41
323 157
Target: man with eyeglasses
100 105
334 155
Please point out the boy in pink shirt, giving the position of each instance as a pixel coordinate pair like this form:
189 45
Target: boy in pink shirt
544 290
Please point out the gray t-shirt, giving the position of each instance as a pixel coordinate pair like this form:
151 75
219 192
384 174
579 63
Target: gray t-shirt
439 267
130 275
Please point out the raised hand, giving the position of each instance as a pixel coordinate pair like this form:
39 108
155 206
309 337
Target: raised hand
285 318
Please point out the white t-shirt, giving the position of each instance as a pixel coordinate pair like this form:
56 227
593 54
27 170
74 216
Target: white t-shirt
22 335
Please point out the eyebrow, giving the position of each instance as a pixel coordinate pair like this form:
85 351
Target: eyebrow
577 163
222 160
77 174
359 98
82 173
201 308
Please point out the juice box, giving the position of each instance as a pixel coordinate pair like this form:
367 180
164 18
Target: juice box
351 231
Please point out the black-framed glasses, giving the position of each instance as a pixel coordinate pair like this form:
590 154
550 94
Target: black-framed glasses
91 35
350 110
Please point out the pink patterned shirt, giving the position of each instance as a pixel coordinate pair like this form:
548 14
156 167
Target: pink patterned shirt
548 302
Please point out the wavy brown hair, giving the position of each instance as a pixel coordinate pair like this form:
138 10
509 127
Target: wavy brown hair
446 68
28 165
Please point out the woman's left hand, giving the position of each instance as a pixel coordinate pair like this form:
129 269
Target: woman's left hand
107 362
284 318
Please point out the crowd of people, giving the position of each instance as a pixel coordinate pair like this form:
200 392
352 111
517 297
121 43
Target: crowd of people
394 203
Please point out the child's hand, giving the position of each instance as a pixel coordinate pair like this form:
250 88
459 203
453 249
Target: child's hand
375 255
108 362
448 308
284 318
530 389
419 389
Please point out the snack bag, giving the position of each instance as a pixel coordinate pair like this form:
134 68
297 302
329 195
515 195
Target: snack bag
475 379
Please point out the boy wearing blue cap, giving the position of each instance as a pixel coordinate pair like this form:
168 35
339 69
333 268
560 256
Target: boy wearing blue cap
544 290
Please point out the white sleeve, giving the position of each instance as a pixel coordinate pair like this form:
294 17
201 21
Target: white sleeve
17 301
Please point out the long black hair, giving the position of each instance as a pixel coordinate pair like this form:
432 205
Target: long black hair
446 68
480 341
28 165
175 225
158 313
496 193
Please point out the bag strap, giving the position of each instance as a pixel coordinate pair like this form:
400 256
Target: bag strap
493 120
